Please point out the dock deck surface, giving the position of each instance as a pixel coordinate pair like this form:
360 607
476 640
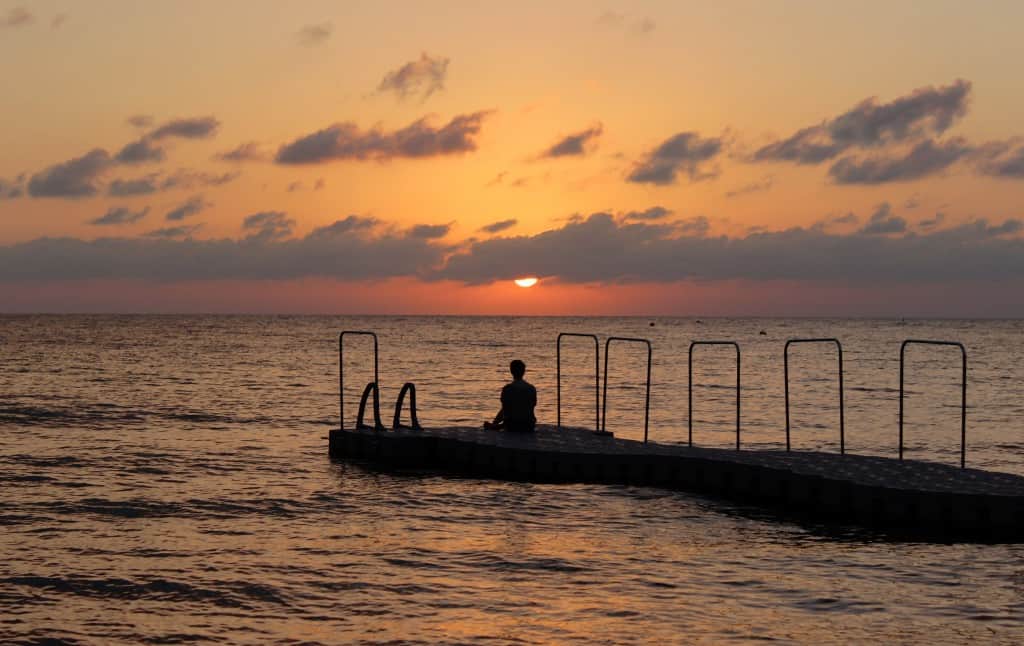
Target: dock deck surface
930 498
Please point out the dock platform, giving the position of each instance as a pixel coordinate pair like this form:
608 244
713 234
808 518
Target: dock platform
935 501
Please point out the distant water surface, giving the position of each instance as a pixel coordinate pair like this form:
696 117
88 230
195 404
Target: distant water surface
165 479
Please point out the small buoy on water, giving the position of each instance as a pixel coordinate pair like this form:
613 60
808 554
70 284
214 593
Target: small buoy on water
652 323
763 333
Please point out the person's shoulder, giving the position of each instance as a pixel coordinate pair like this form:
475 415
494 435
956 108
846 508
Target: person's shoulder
527 384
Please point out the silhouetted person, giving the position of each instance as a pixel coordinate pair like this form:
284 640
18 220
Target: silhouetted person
518 400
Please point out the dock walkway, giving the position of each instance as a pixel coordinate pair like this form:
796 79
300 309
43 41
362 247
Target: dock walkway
935 500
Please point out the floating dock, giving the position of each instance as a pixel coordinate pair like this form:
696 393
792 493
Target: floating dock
934 501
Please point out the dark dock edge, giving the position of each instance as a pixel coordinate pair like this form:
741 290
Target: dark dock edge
929 514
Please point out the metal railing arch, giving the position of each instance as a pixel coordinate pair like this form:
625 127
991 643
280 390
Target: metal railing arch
689 414
647 397
963 392
597 377
842 405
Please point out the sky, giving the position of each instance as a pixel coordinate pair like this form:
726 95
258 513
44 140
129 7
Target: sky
645 158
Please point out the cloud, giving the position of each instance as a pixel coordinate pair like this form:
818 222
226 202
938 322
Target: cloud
499 226
423 76
10 190
181 179
695 227
320 184
653 213
599 249
190 179
932 222
418 139
140 121
190 128
1003 160
58 21
981 229
753 187
832 221
685 152
925 111
17 17
120 215
351 224
576 144
429 231
137 186
268 226
183 231
294 186
140 151
351 249
190 207
926 158
250 151
498 179
883 222
639 26
311 35
74 178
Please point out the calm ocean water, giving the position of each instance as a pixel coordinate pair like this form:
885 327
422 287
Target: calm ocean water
165 479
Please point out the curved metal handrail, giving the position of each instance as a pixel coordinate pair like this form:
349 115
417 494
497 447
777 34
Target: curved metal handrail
597 377
690 387
647 399
842 411
407 387
377 426
963 396
341 370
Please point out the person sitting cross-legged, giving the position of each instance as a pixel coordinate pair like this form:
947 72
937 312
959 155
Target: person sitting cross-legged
518 399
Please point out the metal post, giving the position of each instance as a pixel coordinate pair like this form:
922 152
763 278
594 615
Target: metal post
963 393
690 386
597 377
341 370
842 407
647 398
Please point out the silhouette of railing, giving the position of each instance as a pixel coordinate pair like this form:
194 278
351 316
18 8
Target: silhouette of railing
842 411
410 388
375 384
690 387
963 391
647 398
377 426
597 377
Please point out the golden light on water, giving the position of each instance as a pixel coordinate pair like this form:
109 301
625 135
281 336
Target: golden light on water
526 282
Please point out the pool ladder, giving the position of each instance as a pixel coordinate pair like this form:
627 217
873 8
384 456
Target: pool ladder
373 388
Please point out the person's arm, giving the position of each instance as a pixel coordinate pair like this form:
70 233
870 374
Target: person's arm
499 419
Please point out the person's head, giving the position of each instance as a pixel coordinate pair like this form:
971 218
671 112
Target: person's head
517 368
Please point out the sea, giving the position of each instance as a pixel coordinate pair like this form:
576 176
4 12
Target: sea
166 480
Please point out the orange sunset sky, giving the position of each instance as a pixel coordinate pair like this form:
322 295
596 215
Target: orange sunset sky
731 158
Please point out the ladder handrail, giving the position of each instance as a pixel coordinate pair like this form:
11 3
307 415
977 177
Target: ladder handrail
341 370
689 414
414 421
647 399
377 425
963 389
842 410
597 377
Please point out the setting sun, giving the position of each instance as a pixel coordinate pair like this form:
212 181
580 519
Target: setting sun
526 282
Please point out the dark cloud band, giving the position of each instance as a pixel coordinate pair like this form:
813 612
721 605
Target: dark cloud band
418 139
